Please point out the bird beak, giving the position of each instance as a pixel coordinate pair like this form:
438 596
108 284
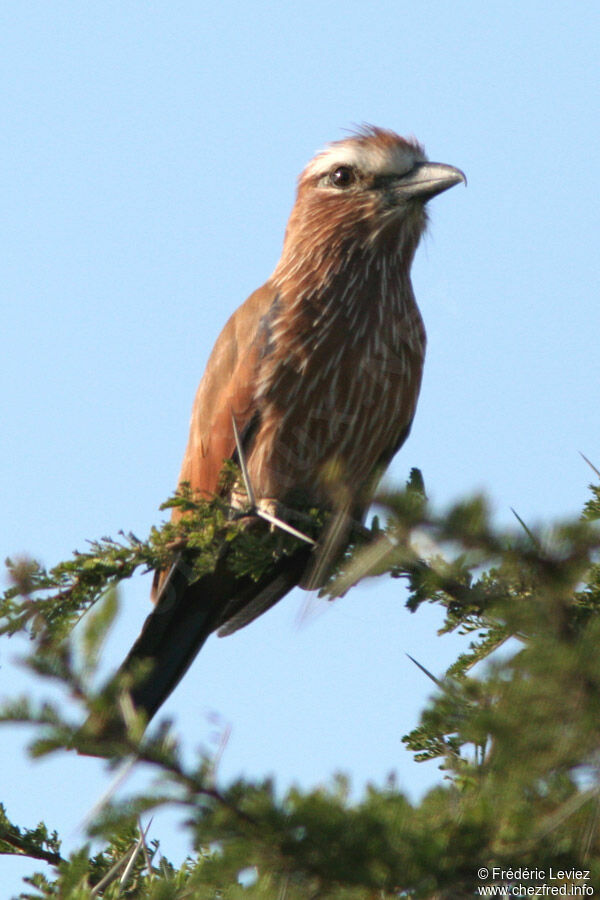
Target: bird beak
427 179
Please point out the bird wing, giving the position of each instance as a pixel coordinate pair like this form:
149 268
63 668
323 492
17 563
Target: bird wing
186 612
228 388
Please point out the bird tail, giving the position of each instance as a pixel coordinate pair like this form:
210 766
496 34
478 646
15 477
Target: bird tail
172 635
185 614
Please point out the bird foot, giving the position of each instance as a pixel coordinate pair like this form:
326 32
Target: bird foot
272 511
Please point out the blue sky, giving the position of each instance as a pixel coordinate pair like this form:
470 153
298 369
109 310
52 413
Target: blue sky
148 163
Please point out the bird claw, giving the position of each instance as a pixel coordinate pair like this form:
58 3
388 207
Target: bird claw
270 510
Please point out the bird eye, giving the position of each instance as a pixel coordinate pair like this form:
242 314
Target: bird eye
343 176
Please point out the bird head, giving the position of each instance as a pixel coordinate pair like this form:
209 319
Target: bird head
364 193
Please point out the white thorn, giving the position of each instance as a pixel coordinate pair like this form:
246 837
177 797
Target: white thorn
284 526
251 497
242 459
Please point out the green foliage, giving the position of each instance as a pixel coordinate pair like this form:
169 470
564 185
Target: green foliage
47 604
516 732
36 843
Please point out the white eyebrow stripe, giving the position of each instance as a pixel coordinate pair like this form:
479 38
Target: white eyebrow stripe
376 160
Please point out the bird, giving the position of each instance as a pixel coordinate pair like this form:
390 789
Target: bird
312 386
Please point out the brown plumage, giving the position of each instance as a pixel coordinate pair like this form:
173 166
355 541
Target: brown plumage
321 368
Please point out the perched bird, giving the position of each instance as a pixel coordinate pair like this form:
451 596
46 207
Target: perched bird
312 384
